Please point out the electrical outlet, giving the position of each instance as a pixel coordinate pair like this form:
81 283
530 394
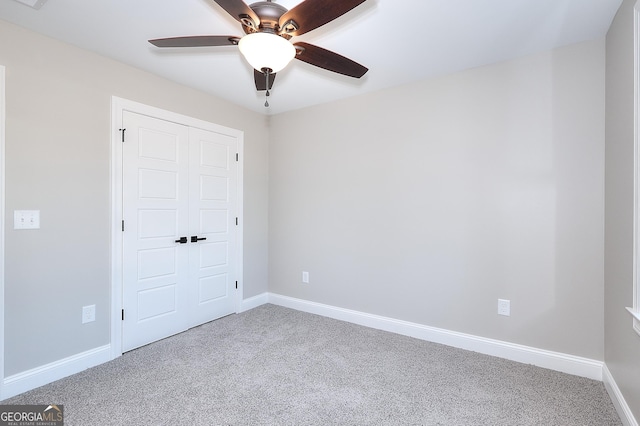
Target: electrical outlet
88 313
504 307
305 277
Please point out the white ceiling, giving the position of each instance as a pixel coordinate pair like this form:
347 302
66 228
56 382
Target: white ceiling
400 41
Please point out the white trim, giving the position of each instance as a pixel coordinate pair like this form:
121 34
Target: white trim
2 192
636 168
557 361
39 376
634 314
622 408
118 105
240 228
570 364
253 302
116 236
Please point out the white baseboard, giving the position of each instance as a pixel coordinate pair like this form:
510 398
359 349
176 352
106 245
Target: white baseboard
570 364
557 361
254 302
626 416
39 376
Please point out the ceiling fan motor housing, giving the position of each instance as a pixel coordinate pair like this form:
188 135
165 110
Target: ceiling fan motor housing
269 14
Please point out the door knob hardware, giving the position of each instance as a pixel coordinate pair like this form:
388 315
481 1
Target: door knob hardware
182 240
195 239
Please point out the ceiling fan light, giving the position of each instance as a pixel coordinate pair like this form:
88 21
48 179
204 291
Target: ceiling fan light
265 50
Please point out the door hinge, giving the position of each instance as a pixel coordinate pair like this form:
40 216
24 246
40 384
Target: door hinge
123 315
122 131
236 156
123 226
236 285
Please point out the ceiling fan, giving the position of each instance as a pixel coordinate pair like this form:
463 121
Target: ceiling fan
268 29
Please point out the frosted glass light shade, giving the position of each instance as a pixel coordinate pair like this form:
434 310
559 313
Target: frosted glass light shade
265 50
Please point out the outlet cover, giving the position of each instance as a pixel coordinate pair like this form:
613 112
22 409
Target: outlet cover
88 313
504 307
305 277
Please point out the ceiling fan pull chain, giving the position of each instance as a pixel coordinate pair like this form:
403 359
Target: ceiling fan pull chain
266 74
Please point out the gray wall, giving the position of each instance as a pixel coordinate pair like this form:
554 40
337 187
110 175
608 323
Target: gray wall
424 203
58 103
429 202
622 344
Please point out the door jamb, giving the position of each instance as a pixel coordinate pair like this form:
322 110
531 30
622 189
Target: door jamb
2 223
118 105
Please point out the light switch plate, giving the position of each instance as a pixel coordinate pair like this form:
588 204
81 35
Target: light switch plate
26 219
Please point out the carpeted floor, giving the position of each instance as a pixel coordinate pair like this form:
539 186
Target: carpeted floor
276 366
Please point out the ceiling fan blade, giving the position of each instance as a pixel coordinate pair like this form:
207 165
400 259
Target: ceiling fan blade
328 60
261 80
311 14
195 41
240 11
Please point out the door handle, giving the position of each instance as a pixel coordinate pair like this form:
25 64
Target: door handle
195 239
182 240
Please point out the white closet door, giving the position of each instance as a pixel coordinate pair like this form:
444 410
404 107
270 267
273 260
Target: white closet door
212 203
180 235
156 214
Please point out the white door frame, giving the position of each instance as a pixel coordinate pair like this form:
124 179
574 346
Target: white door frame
2 192
118 105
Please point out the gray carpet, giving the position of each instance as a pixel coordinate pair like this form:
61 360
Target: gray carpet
276 366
